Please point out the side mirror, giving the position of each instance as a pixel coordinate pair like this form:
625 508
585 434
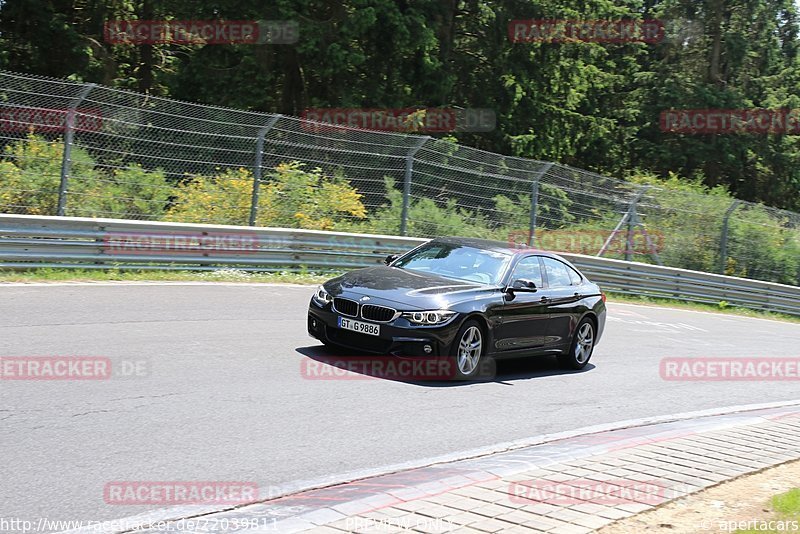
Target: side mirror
524 284
390 258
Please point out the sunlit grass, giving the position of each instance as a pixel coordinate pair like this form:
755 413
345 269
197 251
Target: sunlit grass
786 513
787 503
105 275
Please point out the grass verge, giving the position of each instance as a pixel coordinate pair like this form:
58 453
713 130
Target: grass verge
785 515
107 275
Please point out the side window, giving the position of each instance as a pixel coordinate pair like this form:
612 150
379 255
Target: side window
576 278
557 273
529 269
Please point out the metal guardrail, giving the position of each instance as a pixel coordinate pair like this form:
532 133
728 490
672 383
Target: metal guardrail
28 241
647 280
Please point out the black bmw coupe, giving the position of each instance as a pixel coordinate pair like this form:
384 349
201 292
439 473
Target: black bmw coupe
466 300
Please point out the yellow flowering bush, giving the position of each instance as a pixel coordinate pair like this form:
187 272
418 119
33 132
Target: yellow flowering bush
223 199
291 198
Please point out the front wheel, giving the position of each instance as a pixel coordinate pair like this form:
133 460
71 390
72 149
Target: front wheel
582 346
468 350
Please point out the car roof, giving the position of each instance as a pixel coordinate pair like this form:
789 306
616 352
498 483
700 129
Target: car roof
497 246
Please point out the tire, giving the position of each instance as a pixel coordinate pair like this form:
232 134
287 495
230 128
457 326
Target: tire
580 350
467 353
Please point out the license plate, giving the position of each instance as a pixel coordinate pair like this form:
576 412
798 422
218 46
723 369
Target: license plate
360 327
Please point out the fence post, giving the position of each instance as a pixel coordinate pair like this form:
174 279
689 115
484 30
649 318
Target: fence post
723 240
632 218
262 133
407 181
69 135
535 202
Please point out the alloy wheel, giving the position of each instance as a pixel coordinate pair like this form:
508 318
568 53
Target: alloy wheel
583 346
469 350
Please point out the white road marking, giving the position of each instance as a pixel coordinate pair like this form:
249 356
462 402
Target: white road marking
657 324
720 316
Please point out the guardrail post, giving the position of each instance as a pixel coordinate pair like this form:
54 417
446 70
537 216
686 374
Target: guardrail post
723 240
535 202
69 135
262 133
407 182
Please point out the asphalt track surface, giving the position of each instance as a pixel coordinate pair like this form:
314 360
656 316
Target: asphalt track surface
219 394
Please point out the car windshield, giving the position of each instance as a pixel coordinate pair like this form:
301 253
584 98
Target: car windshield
456 261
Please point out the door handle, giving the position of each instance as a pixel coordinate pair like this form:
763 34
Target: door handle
578 296
544 300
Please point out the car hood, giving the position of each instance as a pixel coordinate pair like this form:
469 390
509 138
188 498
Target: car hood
409 289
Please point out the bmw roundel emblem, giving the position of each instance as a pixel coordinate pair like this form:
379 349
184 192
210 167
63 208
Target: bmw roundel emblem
364 298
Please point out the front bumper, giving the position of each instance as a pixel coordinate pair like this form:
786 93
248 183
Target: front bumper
397 338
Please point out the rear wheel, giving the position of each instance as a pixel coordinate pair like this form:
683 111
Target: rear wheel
582 346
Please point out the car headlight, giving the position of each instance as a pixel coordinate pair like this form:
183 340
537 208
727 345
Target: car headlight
429 317
321 296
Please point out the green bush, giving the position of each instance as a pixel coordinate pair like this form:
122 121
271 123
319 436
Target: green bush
426 217
553 205
30 175
131 193
690 217
762 247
